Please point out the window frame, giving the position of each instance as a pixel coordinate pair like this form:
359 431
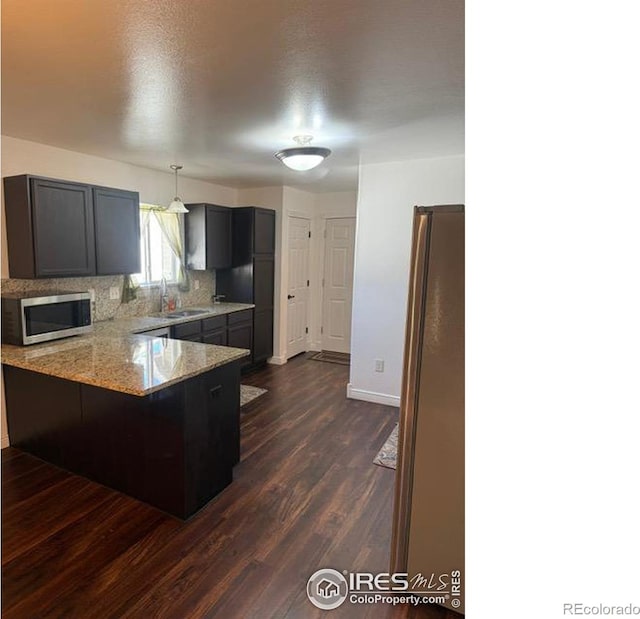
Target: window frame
140 278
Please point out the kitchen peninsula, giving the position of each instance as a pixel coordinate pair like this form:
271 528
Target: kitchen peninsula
153 417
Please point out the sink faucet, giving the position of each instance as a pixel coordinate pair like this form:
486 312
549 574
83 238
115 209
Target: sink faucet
216 298
164 296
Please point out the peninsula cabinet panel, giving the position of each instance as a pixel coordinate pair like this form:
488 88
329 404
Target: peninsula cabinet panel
45 417
211 434
174 449
117 225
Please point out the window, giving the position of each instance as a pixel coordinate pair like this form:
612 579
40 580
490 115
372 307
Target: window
156 257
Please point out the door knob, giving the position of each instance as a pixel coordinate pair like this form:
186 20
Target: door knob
291 296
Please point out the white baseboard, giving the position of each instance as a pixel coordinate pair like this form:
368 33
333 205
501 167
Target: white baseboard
277 360
372 396
4 442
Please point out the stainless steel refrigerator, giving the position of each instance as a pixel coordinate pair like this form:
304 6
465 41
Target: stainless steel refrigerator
428 521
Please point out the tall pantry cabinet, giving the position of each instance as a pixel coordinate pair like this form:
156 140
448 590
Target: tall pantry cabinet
250 279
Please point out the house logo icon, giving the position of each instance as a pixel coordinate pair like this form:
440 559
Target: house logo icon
327 589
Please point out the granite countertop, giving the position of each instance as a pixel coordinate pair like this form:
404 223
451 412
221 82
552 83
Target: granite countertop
140 324
113 357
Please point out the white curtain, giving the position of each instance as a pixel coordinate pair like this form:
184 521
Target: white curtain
170 224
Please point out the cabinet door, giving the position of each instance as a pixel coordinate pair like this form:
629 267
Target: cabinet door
217 337
117 225
192 338
186 330
212 433
242 219
62 229
263 282
241 336
265 232
262 335
218 238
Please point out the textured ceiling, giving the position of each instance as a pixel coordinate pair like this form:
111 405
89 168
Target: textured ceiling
220 85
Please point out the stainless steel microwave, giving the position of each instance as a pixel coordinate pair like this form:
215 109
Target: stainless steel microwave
34 317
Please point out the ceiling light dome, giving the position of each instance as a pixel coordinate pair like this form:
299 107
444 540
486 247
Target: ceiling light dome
303 157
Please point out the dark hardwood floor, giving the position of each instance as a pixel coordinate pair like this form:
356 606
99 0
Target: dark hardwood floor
305 496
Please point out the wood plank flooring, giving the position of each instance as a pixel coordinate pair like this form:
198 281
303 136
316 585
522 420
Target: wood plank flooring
305 496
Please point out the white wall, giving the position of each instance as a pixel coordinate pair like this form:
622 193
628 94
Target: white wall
23 157
386 197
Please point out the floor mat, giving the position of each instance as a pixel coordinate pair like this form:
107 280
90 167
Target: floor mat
332 357
249 393
388 454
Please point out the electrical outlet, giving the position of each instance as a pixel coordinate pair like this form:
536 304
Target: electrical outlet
379 365
196 284
114 293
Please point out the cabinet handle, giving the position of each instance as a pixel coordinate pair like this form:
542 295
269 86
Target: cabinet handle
214 392
291 296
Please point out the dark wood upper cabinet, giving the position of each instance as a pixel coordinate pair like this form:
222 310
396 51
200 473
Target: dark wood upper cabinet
117 223
208 236
265 231
63 229
254 232
49 228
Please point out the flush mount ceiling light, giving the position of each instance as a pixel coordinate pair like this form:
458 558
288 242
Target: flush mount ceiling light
303 157
176 206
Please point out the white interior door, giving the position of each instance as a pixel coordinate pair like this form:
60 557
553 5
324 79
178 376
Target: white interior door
298 289
338 284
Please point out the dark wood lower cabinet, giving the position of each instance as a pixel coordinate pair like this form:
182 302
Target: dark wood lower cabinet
240 334
217 337
235 329
174 449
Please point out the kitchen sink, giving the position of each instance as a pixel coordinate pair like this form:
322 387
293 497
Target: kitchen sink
185 313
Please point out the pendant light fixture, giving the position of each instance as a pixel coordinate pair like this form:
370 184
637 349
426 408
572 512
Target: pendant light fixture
177 205
303 157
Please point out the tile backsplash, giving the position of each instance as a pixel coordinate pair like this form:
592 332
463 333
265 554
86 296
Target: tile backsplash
105 308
